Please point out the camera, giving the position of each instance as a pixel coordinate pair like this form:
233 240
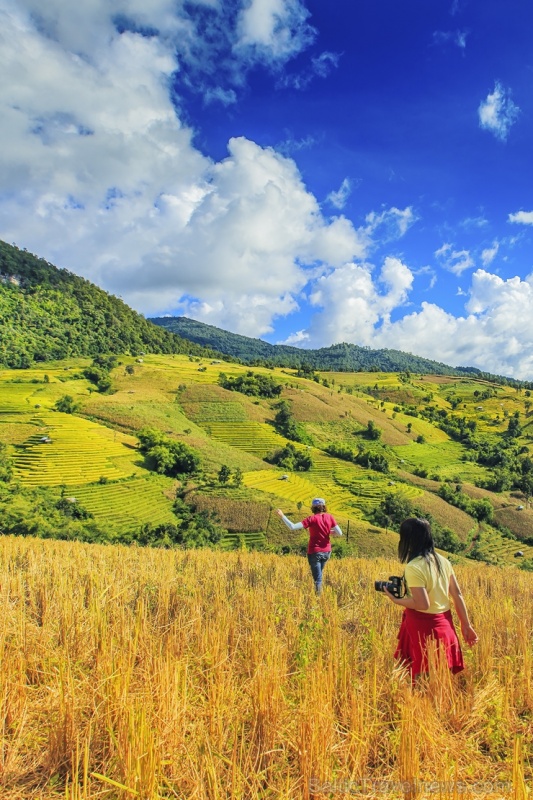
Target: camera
395 585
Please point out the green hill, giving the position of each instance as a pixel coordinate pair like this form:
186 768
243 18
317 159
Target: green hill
48 314
380 446
337 358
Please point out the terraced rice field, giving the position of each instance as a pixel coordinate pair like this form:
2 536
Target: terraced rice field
500 550
79 452
370 490
207 412
254 437
443 459
302 489
16 398
232 541
205 371
140 500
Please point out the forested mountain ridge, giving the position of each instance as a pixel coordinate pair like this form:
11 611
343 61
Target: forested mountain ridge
337 358
48 313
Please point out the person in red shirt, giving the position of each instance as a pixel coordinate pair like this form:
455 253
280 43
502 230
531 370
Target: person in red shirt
321 526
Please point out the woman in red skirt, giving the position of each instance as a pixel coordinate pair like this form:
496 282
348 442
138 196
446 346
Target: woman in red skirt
431 583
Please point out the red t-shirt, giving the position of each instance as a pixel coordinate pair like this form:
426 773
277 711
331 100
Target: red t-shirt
319 526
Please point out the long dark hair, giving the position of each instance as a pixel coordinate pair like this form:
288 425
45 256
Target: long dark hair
318 508
416 540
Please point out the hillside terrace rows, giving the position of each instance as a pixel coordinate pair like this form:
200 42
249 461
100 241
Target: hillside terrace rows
70 450
299 489
143 499
15 398
260 440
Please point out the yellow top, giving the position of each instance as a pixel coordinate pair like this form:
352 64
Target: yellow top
418 574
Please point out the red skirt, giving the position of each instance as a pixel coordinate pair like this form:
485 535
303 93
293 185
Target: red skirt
416 629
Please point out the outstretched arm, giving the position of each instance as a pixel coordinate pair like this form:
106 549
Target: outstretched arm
336 531
469 634
292 526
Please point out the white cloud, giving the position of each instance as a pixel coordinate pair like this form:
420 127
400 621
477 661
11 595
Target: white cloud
455 261
457 38
489 254
498 113
495 334
523 217
393 222
339 198
354 303
474 222
295 339
226 97
93 153
99 174
273 29
320 67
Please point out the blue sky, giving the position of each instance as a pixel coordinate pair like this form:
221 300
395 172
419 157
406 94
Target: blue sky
295 170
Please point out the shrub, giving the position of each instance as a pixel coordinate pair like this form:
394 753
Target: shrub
290 458
251 384
166 455
66 404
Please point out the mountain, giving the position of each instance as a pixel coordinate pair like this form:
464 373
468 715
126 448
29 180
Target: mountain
337 358
48 313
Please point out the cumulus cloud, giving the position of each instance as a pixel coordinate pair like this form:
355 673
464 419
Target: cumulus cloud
273 29
295 339
497 113
94 153
495 334
455 261
99 173
356 302
523 217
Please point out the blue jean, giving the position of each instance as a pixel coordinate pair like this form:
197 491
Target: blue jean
317 562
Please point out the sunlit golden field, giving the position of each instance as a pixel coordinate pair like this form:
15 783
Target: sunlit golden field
155 674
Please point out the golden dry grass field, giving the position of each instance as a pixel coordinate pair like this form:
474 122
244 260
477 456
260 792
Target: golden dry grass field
150 674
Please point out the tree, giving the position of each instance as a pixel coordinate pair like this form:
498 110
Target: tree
392 510
191 529
290 458
513 426
285 424
6 466
252 384
224 474
372 431
447 540
237 477
168 456
66 404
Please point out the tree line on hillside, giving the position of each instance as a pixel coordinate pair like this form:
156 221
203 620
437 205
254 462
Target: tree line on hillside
342 357
50 314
